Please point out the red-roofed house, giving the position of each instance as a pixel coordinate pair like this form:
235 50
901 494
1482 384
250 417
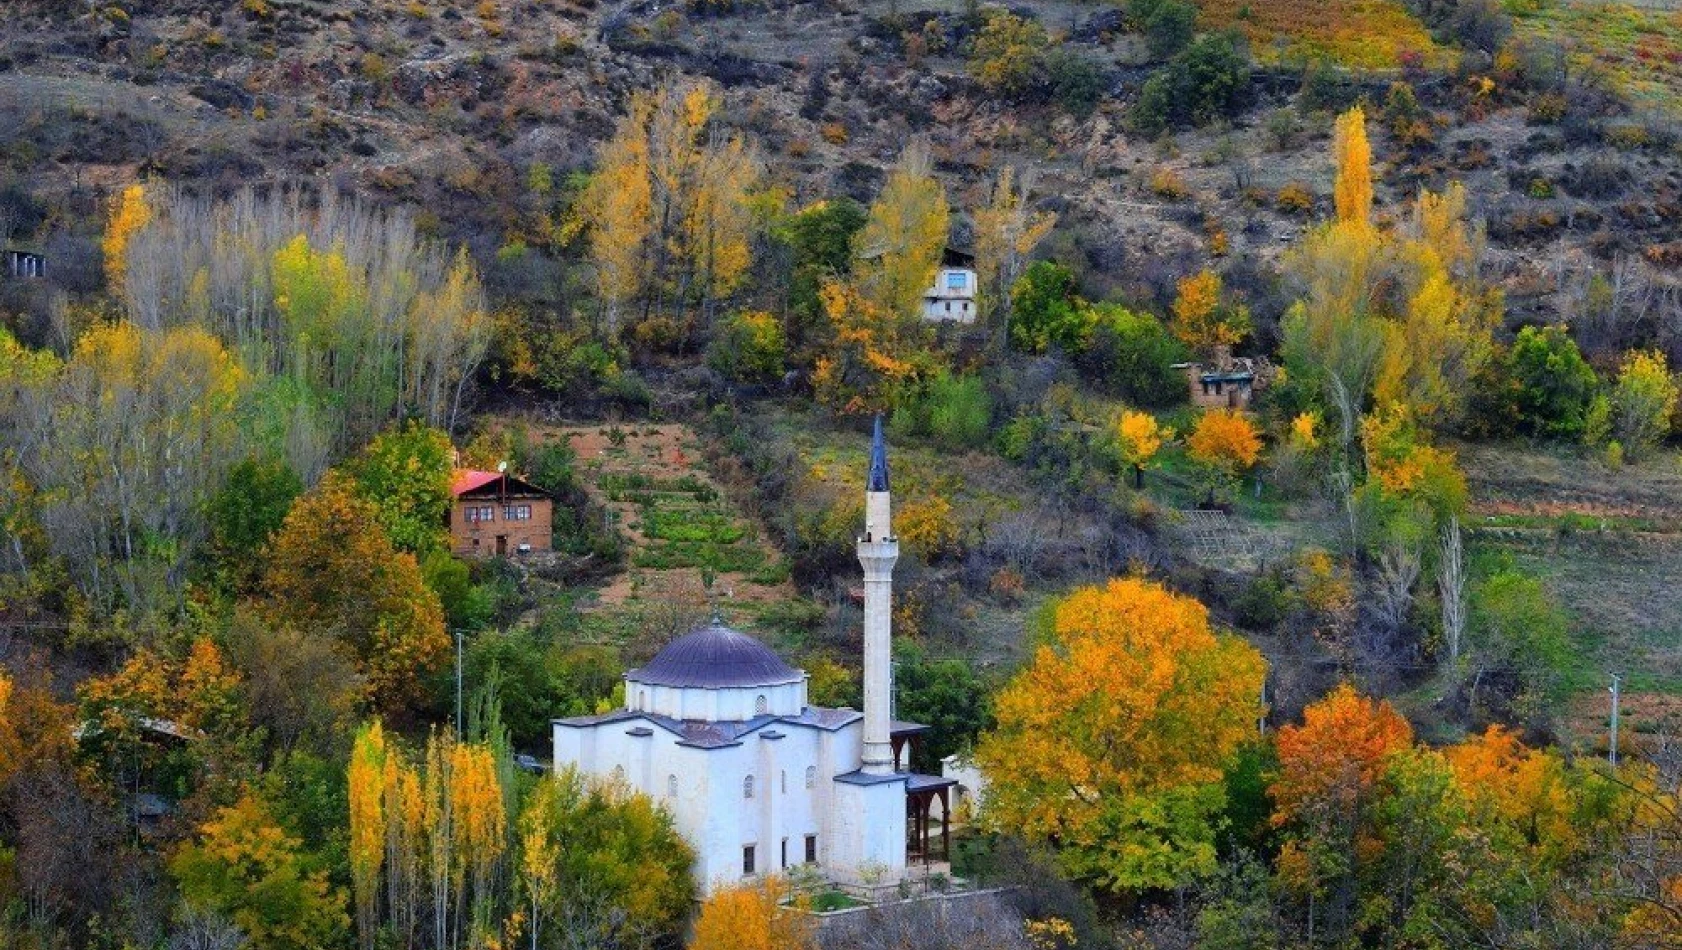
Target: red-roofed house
497 514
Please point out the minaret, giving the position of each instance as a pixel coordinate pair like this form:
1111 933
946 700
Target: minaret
878 550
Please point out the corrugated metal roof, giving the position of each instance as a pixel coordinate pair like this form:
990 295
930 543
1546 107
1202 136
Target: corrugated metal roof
467 479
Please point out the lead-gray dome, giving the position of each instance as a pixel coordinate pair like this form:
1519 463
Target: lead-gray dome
715 656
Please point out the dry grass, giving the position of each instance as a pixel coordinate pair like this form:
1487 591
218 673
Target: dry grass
1638 46
1608 543
1363 33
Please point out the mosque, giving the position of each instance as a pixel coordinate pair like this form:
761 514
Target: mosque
718 729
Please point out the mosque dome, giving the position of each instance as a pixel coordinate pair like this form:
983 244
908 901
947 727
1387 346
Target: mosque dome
715 657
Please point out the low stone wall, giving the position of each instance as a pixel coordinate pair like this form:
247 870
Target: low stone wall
963 908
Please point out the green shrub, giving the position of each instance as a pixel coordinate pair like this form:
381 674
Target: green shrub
1076 82
748 347
1206 81
1045 311
1132 355
954 411
1552 385
1168 25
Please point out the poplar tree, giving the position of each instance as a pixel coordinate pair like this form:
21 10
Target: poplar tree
899 248
1006 232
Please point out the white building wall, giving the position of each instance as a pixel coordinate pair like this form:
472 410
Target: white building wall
704 790
716 705
952 298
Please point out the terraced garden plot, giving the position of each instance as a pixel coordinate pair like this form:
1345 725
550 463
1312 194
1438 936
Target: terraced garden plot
681 529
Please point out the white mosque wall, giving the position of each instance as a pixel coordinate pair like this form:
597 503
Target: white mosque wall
706 792
717 705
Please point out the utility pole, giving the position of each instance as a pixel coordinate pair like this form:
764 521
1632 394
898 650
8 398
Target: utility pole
458 682
1616 683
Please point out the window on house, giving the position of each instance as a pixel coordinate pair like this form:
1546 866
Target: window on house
948 306
747 860
782 777
747 787
811 849
760 705
811 776
671 786
956 280
785 853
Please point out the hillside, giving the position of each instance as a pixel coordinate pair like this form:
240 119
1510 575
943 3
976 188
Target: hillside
434 442
449 108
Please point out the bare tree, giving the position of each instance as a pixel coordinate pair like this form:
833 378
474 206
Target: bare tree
1451 585
1394 574
395 324
205 930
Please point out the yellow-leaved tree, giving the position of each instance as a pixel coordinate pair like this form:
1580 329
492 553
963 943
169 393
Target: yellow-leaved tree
1139 437
1006 231
1353 155
1202 321
670 209
899 248
1392 315
618 207
129 213
1113 740
365 790
752 916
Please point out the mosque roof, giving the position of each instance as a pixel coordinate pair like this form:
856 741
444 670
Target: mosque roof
714 657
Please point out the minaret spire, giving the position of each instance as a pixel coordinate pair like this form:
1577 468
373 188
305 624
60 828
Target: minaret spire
878 549
878 481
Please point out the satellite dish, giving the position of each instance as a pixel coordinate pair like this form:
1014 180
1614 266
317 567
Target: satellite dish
502 466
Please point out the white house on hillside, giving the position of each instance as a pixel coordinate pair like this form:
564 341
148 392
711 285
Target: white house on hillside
952 298
717 728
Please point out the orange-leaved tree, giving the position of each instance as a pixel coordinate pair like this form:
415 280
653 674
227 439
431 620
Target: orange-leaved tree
874 354
1201 320
1328 769
1113 740
333 569
752 916
1227 444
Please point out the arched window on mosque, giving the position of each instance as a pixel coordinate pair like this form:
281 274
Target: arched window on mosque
671 786
760 705
747 787
811 776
